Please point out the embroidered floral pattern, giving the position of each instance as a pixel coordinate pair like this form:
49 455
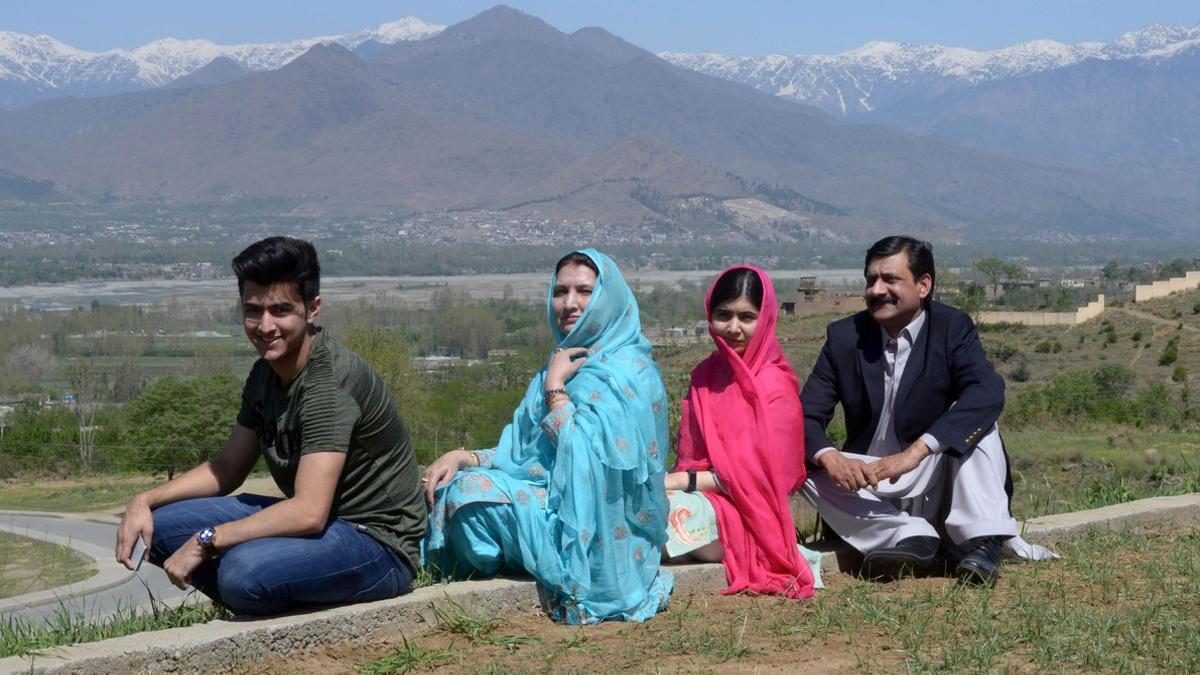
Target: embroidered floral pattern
652 450
677 519
622 444
555 421
522 497
594 396
638 554
620 532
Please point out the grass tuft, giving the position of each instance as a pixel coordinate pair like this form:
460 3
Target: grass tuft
409 657
19 637
457 620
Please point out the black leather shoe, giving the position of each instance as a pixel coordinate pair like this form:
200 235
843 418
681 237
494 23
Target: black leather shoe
981 565
907 557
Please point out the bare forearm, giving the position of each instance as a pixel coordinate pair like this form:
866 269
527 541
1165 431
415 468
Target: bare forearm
706 481
285 518
305 513
200 481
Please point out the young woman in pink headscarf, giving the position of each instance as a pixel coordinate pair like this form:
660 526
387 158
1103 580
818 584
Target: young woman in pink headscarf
741 447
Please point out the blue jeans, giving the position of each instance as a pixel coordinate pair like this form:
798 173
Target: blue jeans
272 575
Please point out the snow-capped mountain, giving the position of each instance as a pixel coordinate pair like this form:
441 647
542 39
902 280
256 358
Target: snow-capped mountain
866 79
38 67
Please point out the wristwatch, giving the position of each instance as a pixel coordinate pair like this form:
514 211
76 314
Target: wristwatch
207 539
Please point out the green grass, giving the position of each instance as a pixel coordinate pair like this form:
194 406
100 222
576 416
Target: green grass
454 619
1119 601
1076 470
66 627
409 657
28 565
76 496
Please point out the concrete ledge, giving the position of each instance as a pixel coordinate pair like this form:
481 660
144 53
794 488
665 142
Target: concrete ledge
1175 512
228 645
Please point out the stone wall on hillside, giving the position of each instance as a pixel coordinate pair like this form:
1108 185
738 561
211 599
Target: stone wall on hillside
1086 313
1160 289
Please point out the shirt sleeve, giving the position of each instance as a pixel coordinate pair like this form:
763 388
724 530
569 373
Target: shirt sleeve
822 451
935 446
556 419
327 419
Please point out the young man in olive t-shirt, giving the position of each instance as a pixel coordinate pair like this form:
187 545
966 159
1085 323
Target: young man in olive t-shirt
350 524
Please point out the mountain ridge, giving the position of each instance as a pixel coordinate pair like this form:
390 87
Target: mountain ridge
37 67
864 79
503 113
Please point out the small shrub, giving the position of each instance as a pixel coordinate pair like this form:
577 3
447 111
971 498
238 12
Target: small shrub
1057 347
1137 336
1043 347
1110 338
1019 374
1180 374
1170 354
1196 308
1002 352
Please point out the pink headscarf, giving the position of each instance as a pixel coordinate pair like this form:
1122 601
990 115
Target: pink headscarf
742 418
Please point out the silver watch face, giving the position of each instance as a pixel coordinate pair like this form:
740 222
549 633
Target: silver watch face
204 537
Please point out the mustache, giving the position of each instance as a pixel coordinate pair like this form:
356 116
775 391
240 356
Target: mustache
886 300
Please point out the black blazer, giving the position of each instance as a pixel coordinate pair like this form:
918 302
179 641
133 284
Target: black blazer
947 366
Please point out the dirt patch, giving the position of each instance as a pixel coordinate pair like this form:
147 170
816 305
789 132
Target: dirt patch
700 631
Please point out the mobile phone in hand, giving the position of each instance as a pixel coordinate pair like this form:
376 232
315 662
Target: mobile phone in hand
139 553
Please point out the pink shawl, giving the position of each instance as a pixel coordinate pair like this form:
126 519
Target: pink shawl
742 418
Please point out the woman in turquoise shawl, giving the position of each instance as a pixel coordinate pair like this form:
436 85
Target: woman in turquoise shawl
573 494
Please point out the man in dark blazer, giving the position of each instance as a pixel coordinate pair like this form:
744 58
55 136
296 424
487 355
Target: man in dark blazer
923 459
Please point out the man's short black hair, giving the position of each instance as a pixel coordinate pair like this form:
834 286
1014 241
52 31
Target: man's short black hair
920 258
280 260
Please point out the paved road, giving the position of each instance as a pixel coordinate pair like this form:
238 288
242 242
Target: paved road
113 587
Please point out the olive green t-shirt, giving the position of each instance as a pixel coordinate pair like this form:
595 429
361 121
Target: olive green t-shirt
338 404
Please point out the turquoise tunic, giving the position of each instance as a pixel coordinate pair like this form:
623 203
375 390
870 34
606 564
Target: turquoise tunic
574 497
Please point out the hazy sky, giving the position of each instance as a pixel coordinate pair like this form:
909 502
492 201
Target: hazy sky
747 27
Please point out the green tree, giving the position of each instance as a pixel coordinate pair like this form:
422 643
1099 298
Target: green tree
95 384
996 270
1111 271
469 332
177 424
388 353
